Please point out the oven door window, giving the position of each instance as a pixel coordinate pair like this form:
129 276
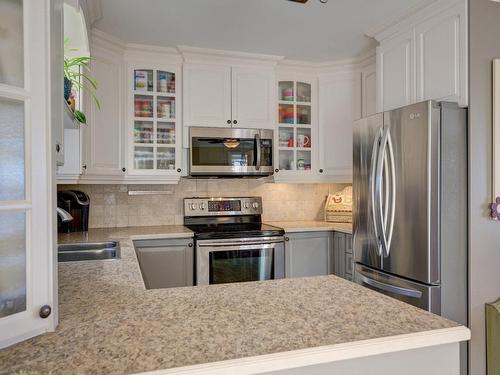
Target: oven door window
241 265
235 152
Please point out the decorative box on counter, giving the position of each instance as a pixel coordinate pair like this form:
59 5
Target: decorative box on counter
338 208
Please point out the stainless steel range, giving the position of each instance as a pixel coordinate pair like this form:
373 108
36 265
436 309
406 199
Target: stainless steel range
232 243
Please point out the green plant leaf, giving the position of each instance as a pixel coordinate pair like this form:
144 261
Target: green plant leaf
80 116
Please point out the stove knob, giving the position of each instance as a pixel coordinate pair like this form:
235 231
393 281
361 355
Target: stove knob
255 205
192 206
246 205
202 206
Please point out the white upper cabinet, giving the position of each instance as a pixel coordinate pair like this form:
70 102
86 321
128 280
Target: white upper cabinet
221 96
369 90
207 95
253 97
339 107
103 136
395 66
441 66
424 57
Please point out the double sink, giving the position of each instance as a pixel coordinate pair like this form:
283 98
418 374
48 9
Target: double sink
87 251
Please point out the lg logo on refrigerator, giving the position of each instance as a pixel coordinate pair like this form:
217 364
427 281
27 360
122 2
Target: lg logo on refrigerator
414 116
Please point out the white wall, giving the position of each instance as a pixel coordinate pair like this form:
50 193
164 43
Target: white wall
484 234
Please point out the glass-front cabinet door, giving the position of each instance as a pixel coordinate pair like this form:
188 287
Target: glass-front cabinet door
296 129
28 305
154 133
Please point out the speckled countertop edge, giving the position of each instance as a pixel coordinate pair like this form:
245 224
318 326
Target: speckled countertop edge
110 324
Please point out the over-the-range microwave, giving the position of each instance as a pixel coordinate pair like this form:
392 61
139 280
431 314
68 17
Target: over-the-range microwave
220 152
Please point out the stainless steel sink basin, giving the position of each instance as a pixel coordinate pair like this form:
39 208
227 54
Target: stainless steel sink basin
84 251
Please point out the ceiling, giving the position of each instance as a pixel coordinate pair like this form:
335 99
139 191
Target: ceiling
312 32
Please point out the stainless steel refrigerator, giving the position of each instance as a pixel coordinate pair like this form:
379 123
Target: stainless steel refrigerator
410 206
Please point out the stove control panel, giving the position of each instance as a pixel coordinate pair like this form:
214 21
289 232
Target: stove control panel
222 206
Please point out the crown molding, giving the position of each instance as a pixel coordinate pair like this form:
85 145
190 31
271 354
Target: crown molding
407 19
197 54
100 39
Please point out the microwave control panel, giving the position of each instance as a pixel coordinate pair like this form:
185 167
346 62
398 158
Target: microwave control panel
222 206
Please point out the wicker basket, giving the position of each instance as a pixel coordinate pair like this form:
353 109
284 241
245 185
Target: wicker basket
338 208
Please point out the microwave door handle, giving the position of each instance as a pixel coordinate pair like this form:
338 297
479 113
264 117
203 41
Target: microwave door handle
257 147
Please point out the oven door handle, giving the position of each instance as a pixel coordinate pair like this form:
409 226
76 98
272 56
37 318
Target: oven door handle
243 241
239 246
257 150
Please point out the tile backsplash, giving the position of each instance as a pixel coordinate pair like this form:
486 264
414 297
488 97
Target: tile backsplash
111 206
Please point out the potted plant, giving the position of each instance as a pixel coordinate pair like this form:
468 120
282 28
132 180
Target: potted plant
75 76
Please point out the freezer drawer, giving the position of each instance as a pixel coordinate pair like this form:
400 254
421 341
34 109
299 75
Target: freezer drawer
426 297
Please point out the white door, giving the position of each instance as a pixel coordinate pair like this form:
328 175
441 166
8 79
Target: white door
441 44
28 263
339 107
395 67
253 97
104 133
207 95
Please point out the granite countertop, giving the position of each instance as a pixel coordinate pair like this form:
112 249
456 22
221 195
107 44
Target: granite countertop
312 226
110 324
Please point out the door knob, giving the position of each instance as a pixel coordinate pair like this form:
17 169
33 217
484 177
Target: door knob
45 311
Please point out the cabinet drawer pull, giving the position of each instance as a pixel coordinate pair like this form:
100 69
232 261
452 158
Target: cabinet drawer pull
229 122
235 122
190 244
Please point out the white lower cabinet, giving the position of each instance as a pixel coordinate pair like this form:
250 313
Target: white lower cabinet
308 254
339 107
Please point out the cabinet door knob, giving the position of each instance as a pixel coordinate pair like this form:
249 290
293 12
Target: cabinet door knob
179 170
84 166
58 147
45 311
321 171
124 169
235 122
229 122
276 170
287 239
190 244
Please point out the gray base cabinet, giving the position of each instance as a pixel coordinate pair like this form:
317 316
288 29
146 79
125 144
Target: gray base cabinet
343 258
166 263
308 254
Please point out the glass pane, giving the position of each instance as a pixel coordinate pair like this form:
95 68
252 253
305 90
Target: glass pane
143 157
223 152
11 149
166 108
286 137
303 92
165 158
303 137
165 133
286 90
143 132
286 114
304 160
12 263
165 82
303 114
11 43
143 106
143 80
286 161
241 265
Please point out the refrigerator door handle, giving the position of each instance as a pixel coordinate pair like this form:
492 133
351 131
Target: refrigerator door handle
390 288
392 192
379 216
373 171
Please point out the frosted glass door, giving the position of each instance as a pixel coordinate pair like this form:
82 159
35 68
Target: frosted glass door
26 217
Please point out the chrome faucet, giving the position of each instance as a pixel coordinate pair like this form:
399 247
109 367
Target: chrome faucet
64 215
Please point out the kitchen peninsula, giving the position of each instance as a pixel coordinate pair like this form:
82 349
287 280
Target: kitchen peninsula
109 323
